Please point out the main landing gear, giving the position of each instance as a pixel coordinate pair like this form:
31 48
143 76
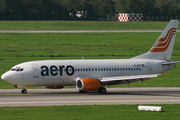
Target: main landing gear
102 90
23 91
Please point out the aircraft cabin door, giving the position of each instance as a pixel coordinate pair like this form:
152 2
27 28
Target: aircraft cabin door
35 70
149 68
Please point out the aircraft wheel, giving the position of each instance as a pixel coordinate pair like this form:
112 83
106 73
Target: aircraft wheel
24 91
102 90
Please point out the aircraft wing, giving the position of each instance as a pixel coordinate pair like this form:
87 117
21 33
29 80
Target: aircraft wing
127 79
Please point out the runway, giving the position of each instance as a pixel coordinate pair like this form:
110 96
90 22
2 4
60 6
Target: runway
67 96
81 31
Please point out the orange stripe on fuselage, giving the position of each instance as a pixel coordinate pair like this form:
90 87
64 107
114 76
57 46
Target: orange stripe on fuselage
163 43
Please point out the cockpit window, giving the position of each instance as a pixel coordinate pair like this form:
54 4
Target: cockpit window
18 69
13 69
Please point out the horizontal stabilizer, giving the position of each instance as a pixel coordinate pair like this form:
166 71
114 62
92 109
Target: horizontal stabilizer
171 62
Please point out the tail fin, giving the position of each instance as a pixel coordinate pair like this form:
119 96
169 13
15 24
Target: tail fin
163 47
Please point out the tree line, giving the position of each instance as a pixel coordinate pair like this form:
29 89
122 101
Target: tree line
96 9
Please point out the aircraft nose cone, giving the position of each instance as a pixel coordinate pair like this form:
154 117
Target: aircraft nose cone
6 77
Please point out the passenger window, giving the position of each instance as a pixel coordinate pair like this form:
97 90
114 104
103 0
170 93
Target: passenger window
21 69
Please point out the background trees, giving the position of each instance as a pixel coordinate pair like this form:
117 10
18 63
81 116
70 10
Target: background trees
60 9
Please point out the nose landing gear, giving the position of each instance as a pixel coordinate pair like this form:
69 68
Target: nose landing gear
23 91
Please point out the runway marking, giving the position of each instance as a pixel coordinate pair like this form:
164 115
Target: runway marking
70 102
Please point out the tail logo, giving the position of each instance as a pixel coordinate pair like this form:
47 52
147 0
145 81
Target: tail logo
162 44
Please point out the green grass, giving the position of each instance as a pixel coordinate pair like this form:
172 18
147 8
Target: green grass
89 112
17 48
79 25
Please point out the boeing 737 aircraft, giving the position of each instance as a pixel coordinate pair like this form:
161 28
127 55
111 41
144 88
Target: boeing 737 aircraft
93 75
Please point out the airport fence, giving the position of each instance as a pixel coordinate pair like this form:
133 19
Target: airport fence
160 18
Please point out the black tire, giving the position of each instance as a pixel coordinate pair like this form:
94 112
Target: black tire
102 90
24 91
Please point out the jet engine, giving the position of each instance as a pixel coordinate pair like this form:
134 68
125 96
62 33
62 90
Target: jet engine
53 87
87 84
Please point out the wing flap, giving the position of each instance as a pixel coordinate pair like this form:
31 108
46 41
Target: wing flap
125 78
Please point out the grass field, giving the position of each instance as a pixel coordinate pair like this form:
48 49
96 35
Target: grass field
17 48
89 112
79 25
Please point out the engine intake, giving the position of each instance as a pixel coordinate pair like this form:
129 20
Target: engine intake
87 84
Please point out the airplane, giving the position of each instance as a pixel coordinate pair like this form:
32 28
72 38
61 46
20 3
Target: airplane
94 74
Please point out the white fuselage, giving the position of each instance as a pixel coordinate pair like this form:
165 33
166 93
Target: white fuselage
64 72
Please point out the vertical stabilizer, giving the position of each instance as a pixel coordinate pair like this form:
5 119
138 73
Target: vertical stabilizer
163 47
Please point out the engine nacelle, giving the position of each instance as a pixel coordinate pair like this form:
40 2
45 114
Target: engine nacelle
87 84
53 87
